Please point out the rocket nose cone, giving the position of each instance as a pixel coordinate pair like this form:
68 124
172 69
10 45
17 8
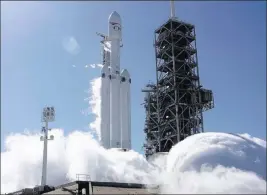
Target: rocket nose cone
115 13
114 17
125 73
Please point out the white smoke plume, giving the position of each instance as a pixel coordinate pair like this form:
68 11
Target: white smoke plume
217 163
95 105
202 163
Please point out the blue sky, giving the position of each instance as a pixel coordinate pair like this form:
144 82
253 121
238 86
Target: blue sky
36 70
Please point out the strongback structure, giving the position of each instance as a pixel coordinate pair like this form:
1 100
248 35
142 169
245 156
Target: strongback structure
174 105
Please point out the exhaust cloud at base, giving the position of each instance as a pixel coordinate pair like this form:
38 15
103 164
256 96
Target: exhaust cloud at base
220 163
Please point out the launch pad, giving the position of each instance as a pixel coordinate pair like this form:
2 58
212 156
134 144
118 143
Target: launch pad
92 187
175 104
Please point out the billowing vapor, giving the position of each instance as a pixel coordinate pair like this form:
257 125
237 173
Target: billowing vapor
202 163
217 163
95 105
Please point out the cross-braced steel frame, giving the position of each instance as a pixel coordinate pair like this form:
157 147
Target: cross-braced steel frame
174 106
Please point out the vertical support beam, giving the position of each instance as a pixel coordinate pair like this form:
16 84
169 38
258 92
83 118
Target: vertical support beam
176 93
157 96
44 171
90 188
48 116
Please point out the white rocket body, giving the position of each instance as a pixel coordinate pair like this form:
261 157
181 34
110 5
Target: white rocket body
116 130
125 110
114 36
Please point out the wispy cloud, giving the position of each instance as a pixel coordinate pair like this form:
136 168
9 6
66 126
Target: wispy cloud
94 65
71 45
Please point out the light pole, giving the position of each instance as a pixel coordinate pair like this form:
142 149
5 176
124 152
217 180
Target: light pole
48 116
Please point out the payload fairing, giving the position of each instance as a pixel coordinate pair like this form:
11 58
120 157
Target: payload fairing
115 91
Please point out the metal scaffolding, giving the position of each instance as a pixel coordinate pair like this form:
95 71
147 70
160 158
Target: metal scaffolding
174 105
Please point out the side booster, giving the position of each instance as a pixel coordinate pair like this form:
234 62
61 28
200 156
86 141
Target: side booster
115 91
125 110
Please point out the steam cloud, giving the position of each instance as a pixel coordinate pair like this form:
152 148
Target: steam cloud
203 163
95 105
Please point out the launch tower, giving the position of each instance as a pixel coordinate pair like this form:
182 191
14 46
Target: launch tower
175 104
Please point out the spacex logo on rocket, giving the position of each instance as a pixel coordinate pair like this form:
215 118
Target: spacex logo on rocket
116 26
115 91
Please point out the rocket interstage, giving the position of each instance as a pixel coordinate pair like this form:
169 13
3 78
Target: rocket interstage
115 91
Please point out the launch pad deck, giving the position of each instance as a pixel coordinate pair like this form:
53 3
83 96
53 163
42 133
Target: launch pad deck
79 187
93 187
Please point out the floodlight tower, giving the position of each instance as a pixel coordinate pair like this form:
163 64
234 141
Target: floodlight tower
48 116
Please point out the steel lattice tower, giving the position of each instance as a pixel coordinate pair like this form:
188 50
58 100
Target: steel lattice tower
175 104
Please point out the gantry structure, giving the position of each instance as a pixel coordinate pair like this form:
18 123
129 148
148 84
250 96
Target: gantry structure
175 104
